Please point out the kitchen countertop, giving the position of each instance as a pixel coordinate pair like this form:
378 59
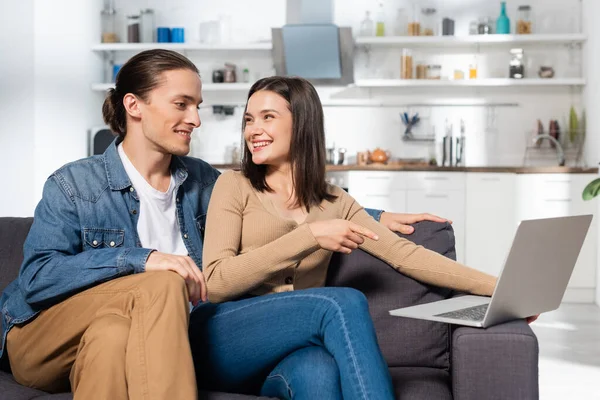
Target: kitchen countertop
421 167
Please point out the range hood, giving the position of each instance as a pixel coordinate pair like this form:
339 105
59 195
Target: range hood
309 45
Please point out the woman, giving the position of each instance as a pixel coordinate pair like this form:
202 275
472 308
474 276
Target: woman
272 228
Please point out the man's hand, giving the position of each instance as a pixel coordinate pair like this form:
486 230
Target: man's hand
340 235
401 222
185 267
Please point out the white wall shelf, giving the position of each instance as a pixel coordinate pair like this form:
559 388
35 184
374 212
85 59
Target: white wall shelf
471 40
102 87
492 82
136 47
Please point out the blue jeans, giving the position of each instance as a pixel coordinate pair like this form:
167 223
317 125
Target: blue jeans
242 346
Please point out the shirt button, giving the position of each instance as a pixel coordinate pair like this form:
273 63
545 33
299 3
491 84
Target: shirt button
95 243
289 280
177 199
134 212
185 235
112 244
131 189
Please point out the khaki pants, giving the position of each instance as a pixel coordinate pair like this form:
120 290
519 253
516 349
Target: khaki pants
123 339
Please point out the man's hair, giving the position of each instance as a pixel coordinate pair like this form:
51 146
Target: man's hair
139 76
307 146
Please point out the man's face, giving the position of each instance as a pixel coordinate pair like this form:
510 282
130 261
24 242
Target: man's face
171 113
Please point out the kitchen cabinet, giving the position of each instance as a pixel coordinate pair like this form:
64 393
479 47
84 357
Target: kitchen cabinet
378 189
440 193
443 194
490 219
558 195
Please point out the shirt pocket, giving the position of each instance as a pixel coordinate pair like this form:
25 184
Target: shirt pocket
201 224
97 238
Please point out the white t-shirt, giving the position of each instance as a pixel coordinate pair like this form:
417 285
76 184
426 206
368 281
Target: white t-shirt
157 225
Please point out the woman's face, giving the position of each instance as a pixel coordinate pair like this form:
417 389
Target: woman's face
268 131
171 113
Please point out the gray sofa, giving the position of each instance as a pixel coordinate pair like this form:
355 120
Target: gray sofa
427 360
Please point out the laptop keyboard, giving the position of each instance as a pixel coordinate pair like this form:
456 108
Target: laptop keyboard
470 314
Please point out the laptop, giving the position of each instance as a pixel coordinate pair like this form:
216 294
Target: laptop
533 280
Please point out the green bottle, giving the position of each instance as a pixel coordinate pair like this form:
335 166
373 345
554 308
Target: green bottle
503 23
380 25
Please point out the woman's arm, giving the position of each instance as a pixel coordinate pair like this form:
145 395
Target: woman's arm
416 261
230 274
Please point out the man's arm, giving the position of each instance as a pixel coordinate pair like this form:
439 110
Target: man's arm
55 265
401 222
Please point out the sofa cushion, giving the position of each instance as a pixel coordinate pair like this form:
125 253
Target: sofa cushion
404 342
421 383
11 390
13 232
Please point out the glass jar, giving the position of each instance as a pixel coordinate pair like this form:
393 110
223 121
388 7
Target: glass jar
523 20
421 71
147 26
428 22
108 18
401 23
485 26
434 72
406 64
133 29
517 64
414 26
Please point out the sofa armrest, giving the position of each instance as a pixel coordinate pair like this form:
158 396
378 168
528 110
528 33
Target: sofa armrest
500 362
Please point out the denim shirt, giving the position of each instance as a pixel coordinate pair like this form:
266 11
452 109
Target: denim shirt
84 231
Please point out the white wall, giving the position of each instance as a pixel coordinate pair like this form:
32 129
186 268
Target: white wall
17 110
591 8
61 107
65 67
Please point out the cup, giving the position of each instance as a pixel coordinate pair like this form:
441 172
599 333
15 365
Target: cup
115 71
362 158
177 35
163 35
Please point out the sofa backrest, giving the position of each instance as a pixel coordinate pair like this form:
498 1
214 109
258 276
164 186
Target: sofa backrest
13 232
403 341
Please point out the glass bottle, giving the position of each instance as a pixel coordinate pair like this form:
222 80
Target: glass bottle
108 21
503 23
366 25
517 64
524 20
147 27
380 24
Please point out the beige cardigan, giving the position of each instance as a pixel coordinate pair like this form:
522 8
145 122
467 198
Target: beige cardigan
249 248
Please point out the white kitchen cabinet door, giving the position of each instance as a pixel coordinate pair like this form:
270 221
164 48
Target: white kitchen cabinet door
559 195
490 220
445 203
383 190
394 201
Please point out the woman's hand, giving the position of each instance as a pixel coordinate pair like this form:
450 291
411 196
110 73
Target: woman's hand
532 318
185 267
340 235
401 222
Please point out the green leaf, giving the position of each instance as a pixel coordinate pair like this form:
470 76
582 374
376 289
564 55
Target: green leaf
591 190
